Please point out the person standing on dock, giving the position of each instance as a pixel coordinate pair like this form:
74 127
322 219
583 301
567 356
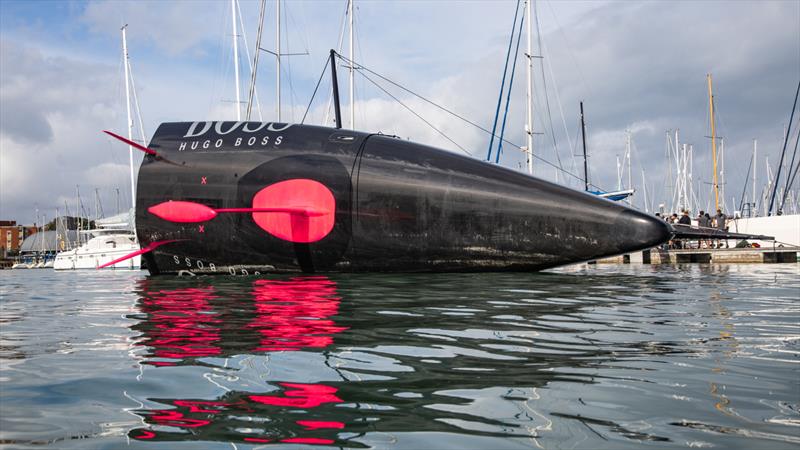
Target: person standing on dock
719 222
720 219
703 221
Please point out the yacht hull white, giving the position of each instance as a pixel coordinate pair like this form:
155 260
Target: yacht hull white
785 228
101 250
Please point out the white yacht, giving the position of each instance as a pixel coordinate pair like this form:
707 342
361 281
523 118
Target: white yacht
785 228
23 265
112 239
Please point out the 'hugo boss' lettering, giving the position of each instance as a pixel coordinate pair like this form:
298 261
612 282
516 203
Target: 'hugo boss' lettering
210 136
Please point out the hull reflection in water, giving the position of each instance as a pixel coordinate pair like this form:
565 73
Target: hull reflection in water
183 326
589 359
246 332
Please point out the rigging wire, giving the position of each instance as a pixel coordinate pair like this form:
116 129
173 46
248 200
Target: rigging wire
744 188
247 57
416 114
546 96
569 48
508 95
503 83
572 148
338 50
789 175
321 75
223 63
363 69
357 38
257 53
783 152
292 92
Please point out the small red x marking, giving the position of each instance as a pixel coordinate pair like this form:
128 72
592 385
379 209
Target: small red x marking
203 180
202 228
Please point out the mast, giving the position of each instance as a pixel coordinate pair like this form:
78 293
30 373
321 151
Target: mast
585 163
689 181
628 153
722 170
257 52
783 153
336 108
278 57
128 107
529 107
44 221
765 200
755 164
57 220
236 61
352 58
77 216
66 225
713 141
684 178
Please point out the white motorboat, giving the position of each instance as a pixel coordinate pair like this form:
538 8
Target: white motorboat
104 247
22 265
112 239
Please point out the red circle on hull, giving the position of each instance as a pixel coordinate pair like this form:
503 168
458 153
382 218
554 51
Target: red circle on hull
311 214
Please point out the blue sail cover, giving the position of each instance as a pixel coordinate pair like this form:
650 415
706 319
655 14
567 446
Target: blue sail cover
614 196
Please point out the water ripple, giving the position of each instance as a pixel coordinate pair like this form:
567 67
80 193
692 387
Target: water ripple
585 357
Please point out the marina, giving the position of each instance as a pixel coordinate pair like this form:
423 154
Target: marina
505 224
601 356
708 255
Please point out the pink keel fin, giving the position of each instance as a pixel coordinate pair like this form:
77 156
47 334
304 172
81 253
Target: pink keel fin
191 212
148 249
131 143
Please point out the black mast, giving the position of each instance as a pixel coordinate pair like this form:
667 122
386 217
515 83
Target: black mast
336 109
783 153
585 164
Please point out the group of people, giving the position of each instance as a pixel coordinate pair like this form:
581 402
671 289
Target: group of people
704 220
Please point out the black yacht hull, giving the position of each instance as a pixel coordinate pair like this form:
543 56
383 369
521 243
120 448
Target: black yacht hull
252 197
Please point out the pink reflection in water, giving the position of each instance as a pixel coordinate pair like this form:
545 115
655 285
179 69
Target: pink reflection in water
289 315
300 396
183 324
295 314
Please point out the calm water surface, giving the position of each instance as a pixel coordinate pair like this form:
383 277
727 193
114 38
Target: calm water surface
594 357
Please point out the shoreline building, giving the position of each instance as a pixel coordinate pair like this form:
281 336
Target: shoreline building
12 236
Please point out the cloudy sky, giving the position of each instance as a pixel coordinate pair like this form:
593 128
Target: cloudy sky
638 66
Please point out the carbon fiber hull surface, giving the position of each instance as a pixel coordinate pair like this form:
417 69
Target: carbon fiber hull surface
397 206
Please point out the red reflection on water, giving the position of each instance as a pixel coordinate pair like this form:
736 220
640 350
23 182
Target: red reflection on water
289 315
145 435
183 324
295 314
318 424
197 406
172 418
313 441
301 396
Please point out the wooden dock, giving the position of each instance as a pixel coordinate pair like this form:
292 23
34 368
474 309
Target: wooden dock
708 255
